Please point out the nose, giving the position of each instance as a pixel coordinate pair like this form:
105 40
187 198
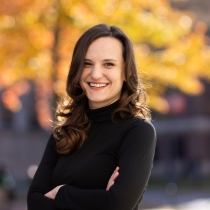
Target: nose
96 72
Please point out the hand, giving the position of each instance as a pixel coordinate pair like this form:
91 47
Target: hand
51 194
112 178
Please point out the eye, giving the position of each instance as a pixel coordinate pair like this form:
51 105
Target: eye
109 64
87 64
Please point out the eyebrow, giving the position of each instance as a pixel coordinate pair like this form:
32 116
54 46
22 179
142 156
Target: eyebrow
109 60
86 59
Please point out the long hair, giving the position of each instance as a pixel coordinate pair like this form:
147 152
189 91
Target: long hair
72 123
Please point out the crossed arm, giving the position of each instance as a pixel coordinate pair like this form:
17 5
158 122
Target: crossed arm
52 194
124 189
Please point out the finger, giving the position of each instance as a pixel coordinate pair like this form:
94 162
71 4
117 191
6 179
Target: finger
109 184
115 171
114 176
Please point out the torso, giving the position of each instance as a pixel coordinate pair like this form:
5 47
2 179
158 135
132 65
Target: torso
92 165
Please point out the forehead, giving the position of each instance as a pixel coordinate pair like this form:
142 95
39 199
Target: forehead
105 47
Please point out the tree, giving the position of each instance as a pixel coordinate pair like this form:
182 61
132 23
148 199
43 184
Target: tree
37 39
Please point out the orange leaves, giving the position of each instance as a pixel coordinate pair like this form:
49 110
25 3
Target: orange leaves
37 39
40 37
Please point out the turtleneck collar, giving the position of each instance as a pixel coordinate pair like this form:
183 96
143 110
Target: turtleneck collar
101 114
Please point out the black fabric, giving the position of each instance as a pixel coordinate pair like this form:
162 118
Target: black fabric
127 143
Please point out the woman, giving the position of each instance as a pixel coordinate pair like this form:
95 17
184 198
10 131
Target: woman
101 152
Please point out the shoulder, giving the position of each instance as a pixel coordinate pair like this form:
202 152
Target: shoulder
141 125
140 130
136 125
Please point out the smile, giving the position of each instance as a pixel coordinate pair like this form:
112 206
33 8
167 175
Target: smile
97 85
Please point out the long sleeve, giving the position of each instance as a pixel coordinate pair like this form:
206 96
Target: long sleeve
42 181
135 159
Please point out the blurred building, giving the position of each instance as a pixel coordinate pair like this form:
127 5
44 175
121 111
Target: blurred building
184 132
184 136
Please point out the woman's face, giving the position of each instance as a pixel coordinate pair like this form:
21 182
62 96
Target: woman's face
103 74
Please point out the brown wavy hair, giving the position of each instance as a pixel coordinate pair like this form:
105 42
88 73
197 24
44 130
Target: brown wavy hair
72 124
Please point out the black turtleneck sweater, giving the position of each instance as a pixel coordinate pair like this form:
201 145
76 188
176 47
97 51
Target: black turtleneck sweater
127 143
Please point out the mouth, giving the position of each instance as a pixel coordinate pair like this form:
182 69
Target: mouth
97 85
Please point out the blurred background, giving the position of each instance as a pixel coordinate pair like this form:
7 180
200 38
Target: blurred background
172 45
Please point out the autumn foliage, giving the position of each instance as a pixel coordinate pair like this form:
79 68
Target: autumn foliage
37 39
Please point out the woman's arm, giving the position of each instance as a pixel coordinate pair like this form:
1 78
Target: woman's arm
42 181
135 159
52 193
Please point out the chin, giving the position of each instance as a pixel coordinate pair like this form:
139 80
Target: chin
96 99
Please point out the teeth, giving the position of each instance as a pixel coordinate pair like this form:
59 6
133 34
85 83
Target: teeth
97 85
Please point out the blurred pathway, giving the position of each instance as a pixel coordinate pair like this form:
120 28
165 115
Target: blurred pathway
154 199
191 199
